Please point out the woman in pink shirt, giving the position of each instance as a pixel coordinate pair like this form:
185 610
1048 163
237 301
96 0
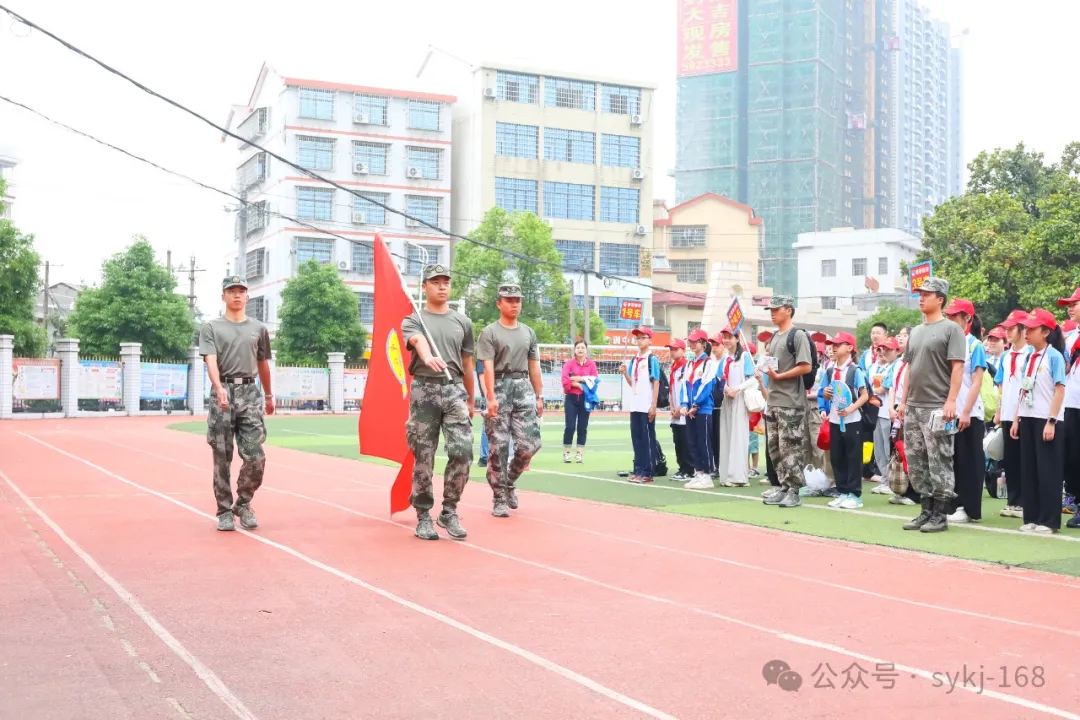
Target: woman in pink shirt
578 367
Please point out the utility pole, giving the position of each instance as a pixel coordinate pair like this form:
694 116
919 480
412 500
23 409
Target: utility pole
168 260
45 303
588 307
191 285
242 260
573 318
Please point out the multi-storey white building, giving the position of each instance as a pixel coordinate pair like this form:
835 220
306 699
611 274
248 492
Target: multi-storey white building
389 146
841 264
926 107
7 173
577 151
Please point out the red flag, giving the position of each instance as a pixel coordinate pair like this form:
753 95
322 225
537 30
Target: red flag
386 394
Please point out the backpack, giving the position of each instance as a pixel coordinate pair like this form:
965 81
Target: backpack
663 399
809 378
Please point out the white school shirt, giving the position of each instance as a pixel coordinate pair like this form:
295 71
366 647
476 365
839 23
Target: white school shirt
899 381
1008 377
880 374
975 356
737 370
679 391
838 376
1072 382
641 392
1048 369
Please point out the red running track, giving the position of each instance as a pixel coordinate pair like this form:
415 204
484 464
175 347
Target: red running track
127 603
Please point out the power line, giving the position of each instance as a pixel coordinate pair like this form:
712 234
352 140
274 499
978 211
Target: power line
316 176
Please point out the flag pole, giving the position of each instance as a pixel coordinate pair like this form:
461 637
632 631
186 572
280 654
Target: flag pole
418 304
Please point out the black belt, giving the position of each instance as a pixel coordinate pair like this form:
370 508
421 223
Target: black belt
238 380
516 375
441 380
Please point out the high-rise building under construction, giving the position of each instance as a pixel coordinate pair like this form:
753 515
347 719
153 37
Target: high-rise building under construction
784 105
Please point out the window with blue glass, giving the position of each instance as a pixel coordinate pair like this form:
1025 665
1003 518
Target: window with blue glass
371 154
621 205
321 251
516 87
373 214
316 103
363 258
427 159
420 255
566 201
620 100
620 151
373 106
620 259
366 305
424 114
574 94
423 208
315 153
513 194
577 253
569 146
513 140
315 203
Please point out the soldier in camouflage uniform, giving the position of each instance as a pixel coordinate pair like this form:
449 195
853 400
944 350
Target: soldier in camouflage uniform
441 398
785 413
236 349
936 353
515 397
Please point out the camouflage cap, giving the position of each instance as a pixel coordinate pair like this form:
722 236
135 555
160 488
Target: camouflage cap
779 301
935 285
233 281
510 290
434 271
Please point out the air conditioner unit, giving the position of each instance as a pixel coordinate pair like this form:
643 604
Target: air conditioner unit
639 174
640 230
360 168
414 172
489 93
359 218
635 119
343 265
362 118
412 223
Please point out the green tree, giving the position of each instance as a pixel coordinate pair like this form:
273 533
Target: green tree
1013 239
19 286
894 317
136 302
319 314
480 270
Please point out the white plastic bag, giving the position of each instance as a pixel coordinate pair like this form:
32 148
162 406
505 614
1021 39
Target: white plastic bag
994 444
755 401
816 479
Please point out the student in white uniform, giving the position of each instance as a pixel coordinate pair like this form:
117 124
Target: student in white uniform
881 377
1010 371
737 372
969 459
1071 427
1042 447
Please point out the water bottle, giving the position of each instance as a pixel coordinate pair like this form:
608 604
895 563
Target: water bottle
1002 488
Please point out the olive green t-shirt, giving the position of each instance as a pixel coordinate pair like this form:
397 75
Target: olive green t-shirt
790 393
930 353
508 349
237 345
452 333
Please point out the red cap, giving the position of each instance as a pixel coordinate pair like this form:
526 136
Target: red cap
752 348
1041 318
1015 318
841 338
959 305
819 337
998 332
726 329
698 334
820 348
677 343
764 336
642 331
1068 326
1070 300
716 339
890 344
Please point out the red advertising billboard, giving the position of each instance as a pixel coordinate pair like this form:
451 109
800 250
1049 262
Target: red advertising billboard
708 37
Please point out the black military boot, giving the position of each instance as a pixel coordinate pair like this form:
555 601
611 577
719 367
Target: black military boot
927 511
939 518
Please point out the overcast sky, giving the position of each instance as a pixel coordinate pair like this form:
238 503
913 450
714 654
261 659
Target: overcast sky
83 202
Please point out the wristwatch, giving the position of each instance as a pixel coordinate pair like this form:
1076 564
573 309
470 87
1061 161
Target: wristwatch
1052 421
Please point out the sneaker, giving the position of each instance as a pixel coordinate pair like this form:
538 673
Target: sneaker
579 458
511 500
736 483
566 457
1043 530
225 522
1068 505
482 463
424 529
1030 527
764 481
877 479
960 516
679 477
832 492
836 501
754 472
882 489
449 521
500 510
640 479
714 475
851 502
247 518
774 490
701 482
901 500
791 499
1016 512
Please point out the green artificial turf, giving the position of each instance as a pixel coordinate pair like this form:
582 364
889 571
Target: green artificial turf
609 451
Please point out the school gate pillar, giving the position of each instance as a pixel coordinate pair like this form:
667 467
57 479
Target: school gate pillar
336 361
7 348
195 381
68 350
131 357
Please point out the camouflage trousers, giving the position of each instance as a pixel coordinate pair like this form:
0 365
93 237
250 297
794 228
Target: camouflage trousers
243 423
435 406
788 438
929 456
516 421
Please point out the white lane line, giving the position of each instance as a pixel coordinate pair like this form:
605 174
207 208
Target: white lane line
212 681
925 674
544 663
